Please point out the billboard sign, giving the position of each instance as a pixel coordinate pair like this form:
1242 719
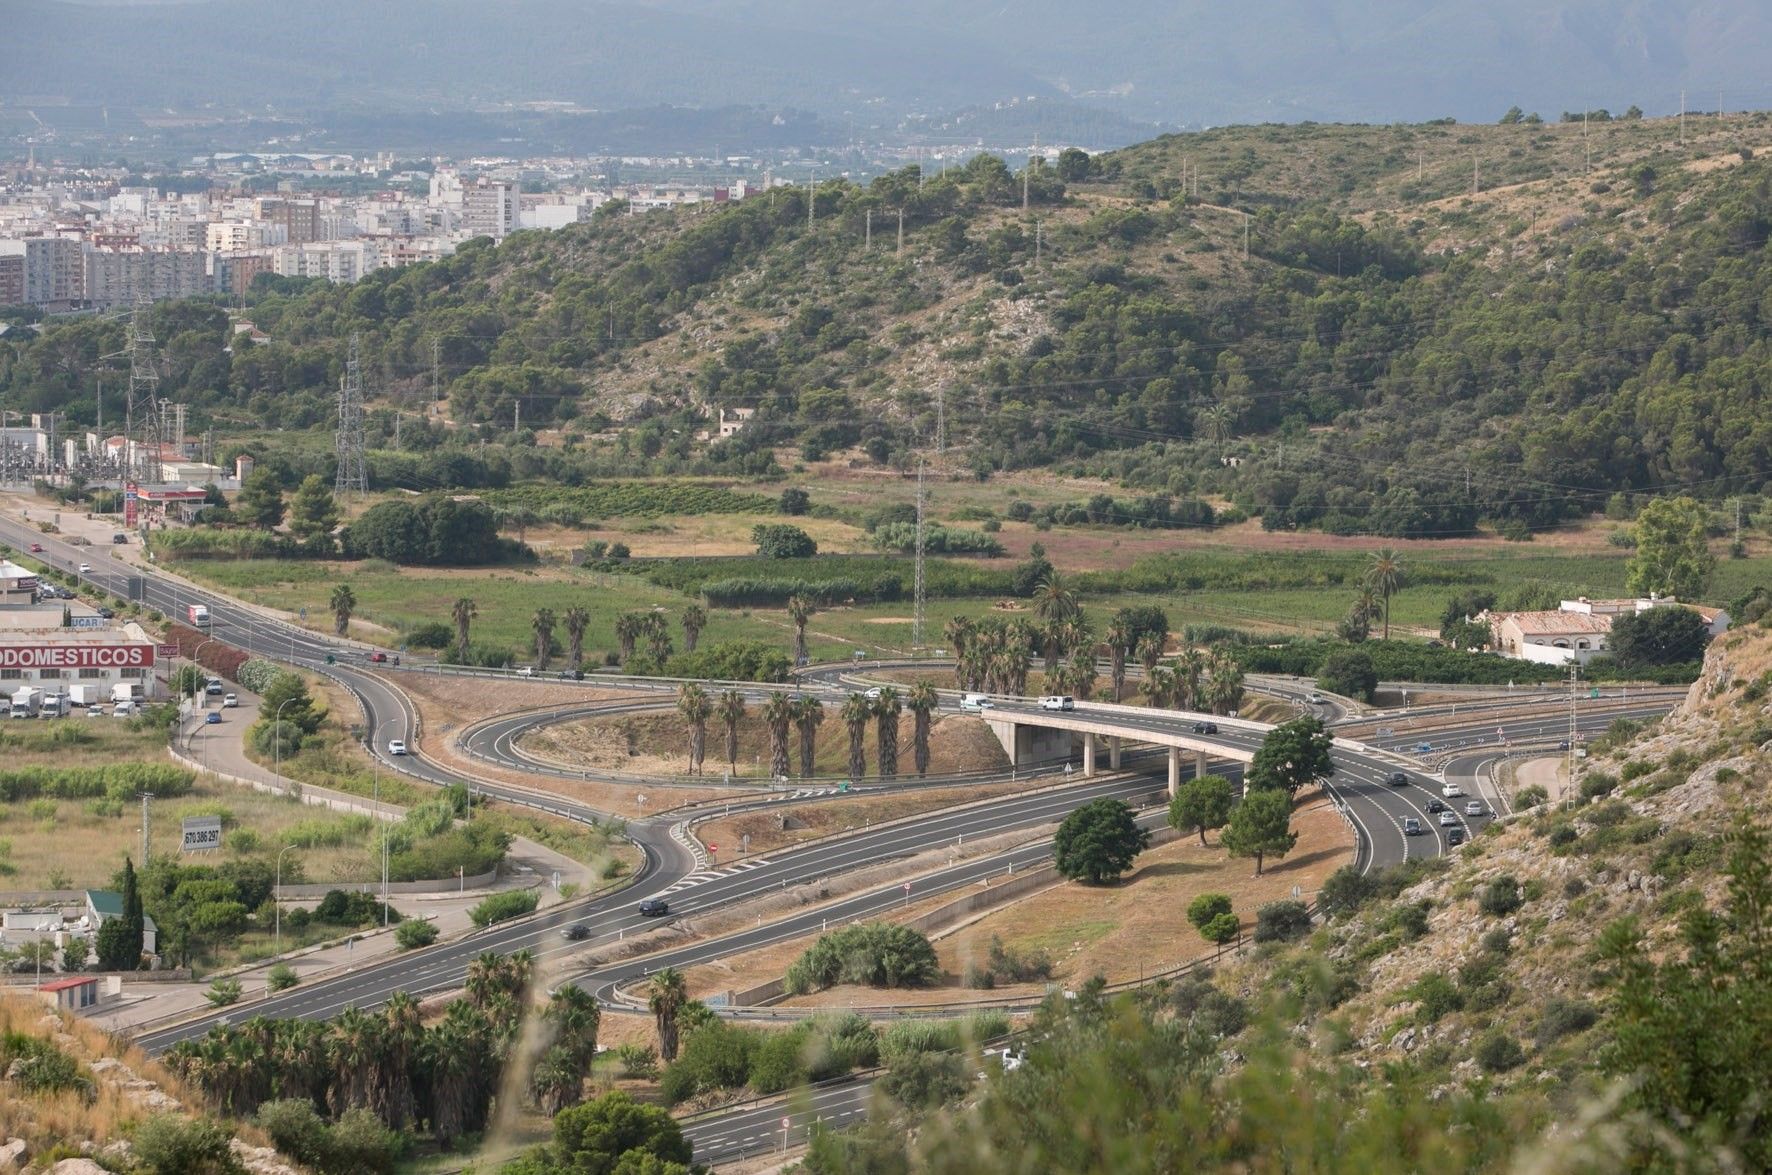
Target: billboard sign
202 832
81 656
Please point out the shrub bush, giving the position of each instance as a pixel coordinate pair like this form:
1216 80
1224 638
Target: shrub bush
1207 906
879 954
282 977
415 933
1500 897
923 1081
1222 929
171 1144
1562 1018
1282 921
500 907
1497 1052
1436 996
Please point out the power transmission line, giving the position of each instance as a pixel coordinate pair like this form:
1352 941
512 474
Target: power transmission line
143 408
353 474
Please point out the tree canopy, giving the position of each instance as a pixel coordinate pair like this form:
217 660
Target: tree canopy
1098 841
1292 755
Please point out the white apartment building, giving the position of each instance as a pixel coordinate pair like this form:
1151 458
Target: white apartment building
489 209
233 236
336 261
117 277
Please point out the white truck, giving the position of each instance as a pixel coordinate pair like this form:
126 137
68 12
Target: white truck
53 706
198 615
25 701
125 691
85 693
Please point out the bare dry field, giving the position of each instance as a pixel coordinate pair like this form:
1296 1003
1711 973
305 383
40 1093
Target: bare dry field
1119 931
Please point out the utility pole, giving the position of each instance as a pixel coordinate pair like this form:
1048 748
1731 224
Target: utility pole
1737 521
901 230
811 200
1682 118
917 614
1245 236
1476 175
868 241
1574 694
941 438
147 796
352 475
144 400
1036 244
436 383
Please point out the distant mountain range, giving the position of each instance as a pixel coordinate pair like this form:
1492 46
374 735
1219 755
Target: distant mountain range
1175 62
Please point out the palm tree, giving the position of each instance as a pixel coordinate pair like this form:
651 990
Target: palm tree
694 619
1385 575
627 630
808 716
1054 606
1215 425
731 710
657 631
402 1035
958 633
556 1082
463 614
800 611
573 1015
1158 684
1150 651
665 996
343 602
576 620
1223 689
1119 635
542 625
1190 673
922 702
856 713
354 1045
778 715
886 710
693 703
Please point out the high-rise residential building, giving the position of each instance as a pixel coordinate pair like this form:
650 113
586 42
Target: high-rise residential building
337 261
489 209
118 277
12 273
55 271
300 218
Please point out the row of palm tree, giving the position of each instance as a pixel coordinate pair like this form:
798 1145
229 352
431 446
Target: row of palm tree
445 1077
803 715
630 628
1196 679
994 657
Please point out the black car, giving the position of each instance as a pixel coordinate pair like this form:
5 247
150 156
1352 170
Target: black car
574 932
1205 728
572 675
1455 836
1398 779
1434 805
654 908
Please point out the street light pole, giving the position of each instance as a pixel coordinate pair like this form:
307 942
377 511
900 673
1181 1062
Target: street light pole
277 738
375 774
280 853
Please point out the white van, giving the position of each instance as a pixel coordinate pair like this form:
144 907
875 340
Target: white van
975 703
1058 702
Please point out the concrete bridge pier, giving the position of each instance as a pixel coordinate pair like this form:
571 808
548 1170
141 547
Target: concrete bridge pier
1088 755
1031 746
1174 771
1114 752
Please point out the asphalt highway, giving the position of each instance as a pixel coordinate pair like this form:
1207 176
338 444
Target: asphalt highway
1375 807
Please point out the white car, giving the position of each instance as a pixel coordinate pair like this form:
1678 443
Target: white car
526 671
1448 819
85 568
1451 790
1058 702
230 701
975 702
1314 698
872 695
396 746
1474 808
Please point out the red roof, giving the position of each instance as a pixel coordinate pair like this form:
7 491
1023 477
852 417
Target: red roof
71 982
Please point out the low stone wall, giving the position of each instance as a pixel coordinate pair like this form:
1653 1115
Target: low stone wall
319 889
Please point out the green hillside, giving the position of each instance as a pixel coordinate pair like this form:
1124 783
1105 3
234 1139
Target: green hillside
1395 354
